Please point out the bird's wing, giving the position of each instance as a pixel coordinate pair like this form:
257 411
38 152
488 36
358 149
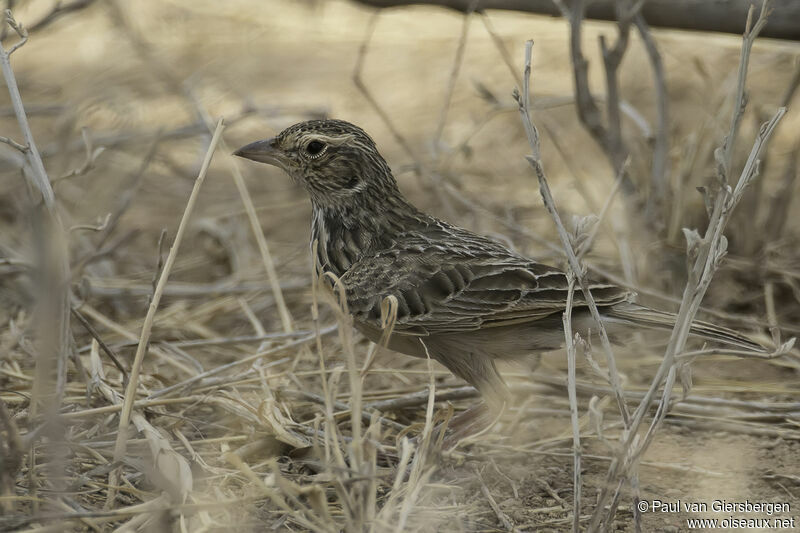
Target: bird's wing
461 287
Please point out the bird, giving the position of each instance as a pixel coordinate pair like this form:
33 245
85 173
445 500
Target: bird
462 299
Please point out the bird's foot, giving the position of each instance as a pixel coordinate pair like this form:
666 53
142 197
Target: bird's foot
452 430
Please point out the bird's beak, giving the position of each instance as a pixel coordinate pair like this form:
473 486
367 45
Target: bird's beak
265 151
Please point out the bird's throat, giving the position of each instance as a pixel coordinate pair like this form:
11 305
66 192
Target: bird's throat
343 237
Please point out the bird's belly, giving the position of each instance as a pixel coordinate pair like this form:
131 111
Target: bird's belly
503 342
406 344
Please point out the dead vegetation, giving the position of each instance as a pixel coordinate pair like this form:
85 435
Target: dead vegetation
147 286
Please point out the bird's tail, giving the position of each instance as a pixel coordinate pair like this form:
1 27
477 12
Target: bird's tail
639 315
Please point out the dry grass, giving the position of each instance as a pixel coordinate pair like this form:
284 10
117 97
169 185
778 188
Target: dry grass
256 406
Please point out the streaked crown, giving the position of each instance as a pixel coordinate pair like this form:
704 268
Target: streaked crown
337 162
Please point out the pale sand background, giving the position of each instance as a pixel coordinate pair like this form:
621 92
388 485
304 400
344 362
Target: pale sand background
294 59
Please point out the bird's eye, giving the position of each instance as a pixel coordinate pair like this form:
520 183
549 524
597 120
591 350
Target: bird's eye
315 148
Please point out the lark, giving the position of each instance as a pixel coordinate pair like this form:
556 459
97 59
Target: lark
465 300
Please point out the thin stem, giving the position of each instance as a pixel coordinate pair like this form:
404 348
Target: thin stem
136 367
573 409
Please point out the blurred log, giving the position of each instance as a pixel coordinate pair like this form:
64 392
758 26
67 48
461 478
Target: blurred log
727 16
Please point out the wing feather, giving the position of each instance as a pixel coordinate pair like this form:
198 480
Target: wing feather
471 284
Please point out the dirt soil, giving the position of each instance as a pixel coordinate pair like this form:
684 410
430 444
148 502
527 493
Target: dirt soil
267 65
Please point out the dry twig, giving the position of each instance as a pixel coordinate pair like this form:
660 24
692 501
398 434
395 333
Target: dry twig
144 341
577 270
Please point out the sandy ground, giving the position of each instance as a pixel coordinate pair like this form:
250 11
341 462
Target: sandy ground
292 60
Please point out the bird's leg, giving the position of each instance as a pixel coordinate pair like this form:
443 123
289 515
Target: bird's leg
450 430
471 423
478 370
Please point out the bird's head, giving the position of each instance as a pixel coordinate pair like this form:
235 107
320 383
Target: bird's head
337 162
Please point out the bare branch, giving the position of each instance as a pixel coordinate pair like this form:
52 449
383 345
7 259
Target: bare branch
96 336
573 407
708 253
38 174
609 136
577 270
612 58
14 144
59 10
726 157
699 15
658 173
17 27
451 84
711 250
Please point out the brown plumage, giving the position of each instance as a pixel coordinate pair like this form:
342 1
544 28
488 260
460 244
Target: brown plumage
465 299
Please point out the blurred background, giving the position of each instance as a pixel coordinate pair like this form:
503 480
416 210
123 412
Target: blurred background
122 98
